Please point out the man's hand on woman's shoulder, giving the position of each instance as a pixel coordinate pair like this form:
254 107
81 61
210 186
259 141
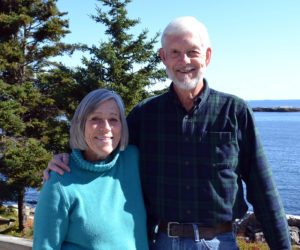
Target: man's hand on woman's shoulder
59 163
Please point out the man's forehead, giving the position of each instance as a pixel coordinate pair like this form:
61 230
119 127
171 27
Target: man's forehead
186 39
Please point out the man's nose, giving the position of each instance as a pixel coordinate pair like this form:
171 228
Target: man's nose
184 58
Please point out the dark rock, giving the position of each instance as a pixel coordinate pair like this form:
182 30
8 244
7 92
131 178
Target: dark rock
251 228
294 231
277 109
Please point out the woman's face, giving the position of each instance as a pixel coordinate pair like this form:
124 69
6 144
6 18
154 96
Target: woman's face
102 131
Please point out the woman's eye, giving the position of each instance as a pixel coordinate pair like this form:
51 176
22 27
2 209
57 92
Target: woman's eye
95 119
113 120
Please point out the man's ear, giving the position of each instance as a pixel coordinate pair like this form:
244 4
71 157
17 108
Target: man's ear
162 55
208 56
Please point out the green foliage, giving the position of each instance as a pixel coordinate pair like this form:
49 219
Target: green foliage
30 34
11 213
124 63
30 130
7 212
244 245
38 96
10 110
21 161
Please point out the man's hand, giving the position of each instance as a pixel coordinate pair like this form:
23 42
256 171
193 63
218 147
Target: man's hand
59 163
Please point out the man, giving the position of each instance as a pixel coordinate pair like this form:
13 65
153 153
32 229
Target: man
196 146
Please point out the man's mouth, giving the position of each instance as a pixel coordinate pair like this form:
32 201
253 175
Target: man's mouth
186 69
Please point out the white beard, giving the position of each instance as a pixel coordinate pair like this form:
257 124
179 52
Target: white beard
188 83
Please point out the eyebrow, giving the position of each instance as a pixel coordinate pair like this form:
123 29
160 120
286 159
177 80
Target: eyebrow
112 113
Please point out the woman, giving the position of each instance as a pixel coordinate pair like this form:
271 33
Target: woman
98 205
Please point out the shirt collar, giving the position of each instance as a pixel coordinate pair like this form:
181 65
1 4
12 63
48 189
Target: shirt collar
200 99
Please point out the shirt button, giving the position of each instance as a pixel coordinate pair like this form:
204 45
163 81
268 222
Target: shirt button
188 211
186 139
188 187
186 163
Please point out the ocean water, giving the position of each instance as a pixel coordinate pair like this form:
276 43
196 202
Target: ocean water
280 135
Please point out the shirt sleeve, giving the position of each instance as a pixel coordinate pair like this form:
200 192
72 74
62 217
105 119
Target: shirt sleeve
132 121
51 217
261 190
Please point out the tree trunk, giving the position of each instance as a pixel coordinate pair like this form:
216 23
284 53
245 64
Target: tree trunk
21 209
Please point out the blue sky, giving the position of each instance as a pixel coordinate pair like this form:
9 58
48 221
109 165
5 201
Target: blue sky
255 44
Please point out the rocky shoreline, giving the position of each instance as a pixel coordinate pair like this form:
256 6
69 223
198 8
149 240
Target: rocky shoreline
276 109
250 229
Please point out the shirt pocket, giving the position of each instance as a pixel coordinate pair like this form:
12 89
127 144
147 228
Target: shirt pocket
222 149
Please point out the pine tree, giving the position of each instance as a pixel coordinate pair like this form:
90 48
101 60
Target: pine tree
30 33
123 63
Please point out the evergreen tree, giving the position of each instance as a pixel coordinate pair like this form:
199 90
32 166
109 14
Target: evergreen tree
123 63
30 33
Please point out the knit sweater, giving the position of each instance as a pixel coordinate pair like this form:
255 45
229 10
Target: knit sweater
95 206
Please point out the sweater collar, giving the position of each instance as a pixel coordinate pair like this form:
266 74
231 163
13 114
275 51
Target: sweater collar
100 166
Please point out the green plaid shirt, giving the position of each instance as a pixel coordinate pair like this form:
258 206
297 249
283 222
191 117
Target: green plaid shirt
193 163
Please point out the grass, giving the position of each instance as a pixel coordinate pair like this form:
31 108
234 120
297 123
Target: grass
11 213
245 245
8 212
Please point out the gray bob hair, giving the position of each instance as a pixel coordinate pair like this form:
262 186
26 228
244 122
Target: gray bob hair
183 25
87 106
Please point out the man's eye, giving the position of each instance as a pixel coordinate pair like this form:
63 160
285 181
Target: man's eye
174 53
193 53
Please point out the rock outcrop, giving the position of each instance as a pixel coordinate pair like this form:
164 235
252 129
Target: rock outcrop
277 109
250 229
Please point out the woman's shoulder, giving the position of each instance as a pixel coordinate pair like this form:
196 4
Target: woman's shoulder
131 153
60 180
132 149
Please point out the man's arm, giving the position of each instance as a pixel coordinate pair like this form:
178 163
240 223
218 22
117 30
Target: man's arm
59 163
261 189
132 121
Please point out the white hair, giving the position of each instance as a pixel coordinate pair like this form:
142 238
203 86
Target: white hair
183 25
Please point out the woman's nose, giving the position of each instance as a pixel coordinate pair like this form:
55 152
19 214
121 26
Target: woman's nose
105 125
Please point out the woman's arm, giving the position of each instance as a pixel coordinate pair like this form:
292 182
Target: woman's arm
51 217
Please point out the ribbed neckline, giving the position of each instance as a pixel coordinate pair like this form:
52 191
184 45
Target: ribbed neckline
100 166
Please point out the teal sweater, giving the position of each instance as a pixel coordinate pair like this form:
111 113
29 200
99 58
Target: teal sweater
95 206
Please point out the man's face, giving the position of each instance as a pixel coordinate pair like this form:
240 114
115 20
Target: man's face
185 60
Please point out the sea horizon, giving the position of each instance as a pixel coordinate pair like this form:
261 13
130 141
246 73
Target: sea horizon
270 103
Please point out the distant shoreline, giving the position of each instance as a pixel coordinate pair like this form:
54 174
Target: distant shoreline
276 109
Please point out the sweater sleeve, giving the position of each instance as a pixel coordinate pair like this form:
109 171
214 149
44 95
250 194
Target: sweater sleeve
51 216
